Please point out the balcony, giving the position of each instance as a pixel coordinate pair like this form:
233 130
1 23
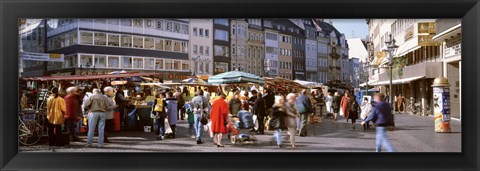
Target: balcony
420 70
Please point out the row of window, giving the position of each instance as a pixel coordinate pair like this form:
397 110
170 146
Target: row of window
124 62
255 36
201 32
286 39
285 65
158 24
299 66
298 53
285 52
239 30
199 50
270 36
241 50
117 40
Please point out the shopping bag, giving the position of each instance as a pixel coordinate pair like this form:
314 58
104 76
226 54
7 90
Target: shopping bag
168 129
341 113
255 122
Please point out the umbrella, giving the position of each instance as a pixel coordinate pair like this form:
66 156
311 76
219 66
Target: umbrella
235 77
308 83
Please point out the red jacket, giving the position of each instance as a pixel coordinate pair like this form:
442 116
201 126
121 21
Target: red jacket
72 104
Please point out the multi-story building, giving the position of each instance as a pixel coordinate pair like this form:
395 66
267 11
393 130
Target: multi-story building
201 43
256 47
32 39
239 44
355 71
322 52
311 62
417 60
104 45
221 45
358 53
285 55
272 51
449 34
297 30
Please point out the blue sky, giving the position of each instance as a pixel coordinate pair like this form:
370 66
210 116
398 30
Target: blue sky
359 27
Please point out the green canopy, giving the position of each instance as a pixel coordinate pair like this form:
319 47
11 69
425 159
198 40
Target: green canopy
235 77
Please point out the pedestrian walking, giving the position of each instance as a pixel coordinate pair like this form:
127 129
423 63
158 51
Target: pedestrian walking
190 119
219 118
336 105
201 108
109 115
56 108
159 113
72 102
328 103
382 112
206 93
122 103
291 117
345 105
400 103
277 121
304 107
366 108
269 98
172 113
180 104
354 109
260 111
235 104
97 105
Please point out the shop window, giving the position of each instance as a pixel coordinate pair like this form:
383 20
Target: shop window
168 45
100 61
176 65
138 63
137 42
177 46
100 39
113 62
149 63
149 44
86 38
126 41
113 40
159 65
168 64
86 61
126 62
159 44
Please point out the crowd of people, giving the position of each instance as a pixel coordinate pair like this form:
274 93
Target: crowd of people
276 111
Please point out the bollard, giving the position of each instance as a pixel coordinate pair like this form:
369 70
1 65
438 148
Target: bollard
441 105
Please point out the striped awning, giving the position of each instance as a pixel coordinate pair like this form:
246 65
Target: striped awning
235 77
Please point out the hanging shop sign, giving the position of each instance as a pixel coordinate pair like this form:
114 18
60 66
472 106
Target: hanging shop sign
427 40
50 57
427 28
408 33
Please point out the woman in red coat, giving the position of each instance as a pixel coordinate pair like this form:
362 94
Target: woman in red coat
219 118
345 105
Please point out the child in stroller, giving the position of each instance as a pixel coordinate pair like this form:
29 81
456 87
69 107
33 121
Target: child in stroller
244 121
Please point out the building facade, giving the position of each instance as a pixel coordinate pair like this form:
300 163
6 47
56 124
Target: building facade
358 54
449 34
272 50
201 42
285 55
311 50
239 44
256 47
221 46
104 45
32 38
322 53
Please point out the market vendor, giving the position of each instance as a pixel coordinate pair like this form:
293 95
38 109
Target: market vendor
122 102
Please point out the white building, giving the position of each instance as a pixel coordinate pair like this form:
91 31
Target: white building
201 41
358 53
271 49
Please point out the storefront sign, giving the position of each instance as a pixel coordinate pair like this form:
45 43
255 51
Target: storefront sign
427 40
408 33
453 47
427 28
380 56
50 57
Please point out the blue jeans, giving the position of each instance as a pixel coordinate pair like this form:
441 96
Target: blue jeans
160 126
191 128
198 127
278 136
93 118
382 140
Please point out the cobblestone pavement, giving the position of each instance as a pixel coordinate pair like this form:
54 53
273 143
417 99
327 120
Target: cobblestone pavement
411 134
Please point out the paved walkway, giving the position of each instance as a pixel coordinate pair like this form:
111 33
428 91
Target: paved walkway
411 134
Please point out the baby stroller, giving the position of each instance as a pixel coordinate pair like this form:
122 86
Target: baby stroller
242 123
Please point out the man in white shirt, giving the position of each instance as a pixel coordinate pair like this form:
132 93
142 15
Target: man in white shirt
206 94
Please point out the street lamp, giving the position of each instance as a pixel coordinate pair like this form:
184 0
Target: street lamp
391 47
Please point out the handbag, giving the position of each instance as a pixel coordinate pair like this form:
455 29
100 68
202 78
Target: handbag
274 123
341 112
301 108
204 120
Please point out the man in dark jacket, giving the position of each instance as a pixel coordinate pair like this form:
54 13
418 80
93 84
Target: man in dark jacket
260 112
304 100
269 99
251 101
382 112
122 102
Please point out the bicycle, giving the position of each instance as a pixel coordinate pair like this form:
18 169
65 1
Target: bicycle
29 130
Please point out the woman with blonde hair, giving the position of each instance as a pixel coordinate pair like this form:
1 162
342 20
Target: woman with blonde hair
291 116
278 116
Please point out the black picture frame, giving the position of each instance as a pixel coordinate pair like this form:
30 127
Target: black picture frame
11 11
